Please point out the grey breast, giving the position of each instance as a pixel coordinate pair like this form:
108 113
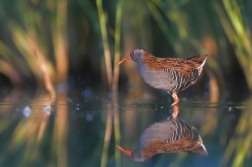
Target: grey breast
162 130
158 79
168 130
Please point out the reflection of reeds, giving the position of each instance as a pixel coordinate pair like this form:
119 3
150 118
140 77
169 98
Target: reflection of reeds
60 133
107 137
112 117
117 133
239 148
28 134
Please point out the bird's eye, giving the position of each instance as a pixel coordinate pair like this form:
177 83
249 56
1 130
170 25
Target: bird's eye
133 53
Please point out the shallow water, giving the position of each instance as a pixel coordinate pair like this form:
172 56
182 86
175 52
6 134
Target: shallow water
70 131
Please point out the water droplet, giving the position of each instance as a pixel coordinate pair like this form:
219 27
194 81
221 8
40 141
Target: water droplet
230 102
47 109
86 93
27 111
110 95
184 99
89 117
230 109
147 96
69 99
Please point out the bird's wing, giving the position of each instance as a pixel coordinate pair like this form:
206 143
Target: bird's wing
185 66
181 130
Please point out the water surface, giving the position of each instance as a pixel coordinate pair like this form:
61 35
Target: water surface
70 131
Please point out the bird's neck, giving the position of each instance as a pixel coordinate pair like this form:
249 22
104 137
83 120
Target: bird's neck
153 62
149 57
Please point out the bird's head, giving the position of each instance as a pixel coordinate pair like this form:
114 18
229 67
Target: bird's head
135 155
136 55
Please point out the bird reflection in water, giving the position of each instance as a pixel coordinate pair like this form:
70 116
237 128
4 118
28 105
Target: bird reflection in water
171 135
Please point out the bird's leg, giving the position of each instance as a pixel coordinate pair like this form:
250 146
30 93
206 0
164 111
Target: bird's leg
176 99
175 111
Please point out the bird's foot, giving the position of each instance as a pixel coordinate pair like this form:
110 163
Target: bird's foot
176 99
175 111
175 103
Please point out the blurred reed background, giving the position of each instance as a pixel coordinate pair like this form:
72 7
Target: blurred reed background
44 43
65 45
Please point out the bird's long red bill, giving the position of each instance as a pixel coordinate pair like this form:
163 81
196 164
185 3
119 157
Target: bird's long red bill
123 60
128 152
